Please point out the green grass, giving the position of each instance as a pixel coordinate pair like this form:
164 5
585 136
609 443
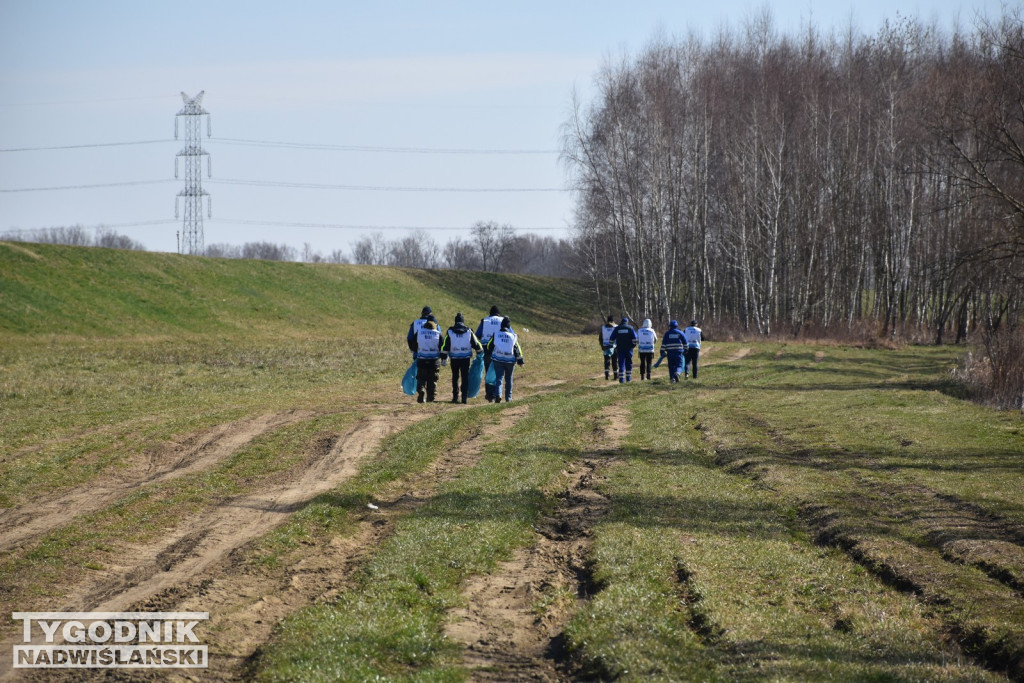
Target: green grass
806 512
390 624
57 290
708 576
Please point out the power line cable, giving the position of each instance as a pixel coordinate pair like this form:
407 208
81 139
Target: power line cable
86 187
298 145
342 226
380 188
86 146
379 148
308 186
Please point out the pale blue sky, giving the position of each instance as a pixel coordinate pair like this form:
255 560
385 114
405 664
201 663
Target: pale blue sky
390 76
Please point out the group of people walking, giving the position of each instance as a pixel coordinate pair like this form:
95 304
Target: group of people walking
494 340
680 346
497 343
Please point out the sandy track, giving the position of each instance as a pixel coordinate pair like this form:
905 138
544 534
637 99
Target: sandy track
245 604
203 568
208 538
506 637
164 464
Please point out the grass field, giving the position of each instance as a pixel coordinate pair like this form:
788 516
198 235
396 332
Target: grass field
187 434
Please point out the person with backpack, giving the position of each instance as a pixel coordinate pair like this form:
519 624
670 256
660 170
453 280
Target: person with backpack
427 347
625 341
505 354
484 332
607 342
694 337
673 345
458 347
646 338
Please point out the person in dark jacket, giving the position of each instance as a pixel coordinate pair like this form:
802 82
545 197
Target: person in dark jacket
673 344
607 342
427 347
458 347
625 341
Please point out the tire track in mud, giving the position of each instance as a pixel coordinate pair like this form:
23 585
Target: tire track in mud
200 543
210 537
246 601
512 625
249 606
163 464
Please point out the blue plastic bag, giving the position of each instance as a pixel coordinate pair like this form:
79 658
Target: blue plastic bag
476 373
491 377
409 381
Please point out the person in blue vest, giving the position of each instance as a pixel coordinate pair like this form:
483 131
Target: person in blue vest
646 338
694 337
505 354
410 338
484 331
673 345
458 347
607 342
427 347
625 341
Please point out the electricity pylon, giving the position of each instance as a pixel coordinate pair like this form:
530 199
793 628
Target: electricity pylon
192 226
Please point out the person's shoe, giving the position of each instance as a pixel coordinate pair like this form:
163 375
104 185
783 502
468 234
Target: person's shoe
463 399
606 375
419 398
455 399
497 399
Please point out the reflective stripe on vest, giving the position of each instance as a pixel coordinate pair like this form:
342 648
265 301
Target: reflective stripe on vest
673 341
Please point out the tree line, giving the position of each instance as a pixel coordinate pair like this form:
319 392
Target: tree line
783 183
491 247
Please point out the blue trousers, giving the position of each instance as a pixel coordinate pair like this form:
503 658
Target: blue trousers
503 378
675 364
625 359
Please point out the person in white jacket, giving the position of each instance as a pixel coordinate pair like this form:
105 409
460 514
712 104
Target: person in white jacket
694 336
646 338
